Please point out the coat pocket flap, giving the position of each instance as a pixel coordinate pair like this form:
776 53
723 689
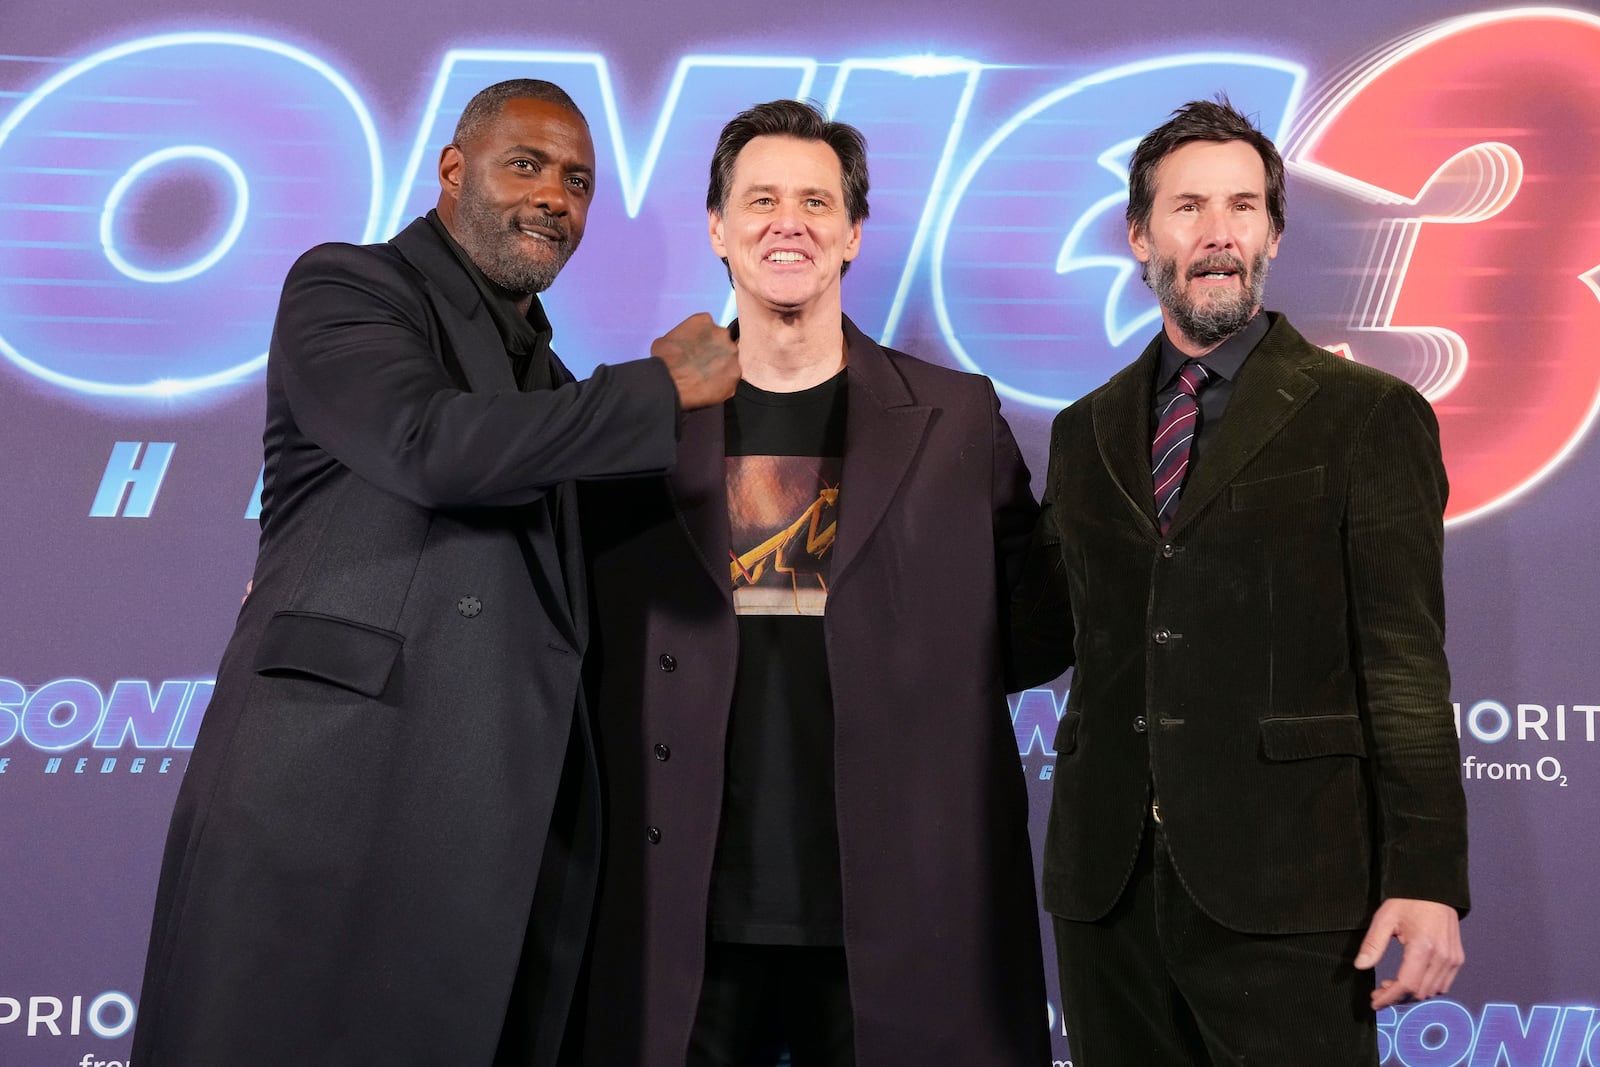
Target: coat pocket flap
1311 736
1279 489
1066 739
345 653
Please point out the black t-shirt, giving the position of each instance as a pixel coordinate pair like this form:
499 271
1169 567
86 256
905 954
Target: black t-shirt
776 877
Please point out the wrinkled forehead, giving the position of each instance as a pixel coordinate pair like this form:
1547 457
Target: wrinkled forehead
781 159
1234 166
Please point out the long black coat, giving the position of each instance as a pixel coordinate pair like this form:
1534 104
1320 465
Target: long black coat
941 921
1274 664
353 856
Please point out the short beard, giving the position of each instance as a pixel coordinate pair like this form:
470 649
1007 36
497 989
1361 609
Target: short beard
1213 319
496 245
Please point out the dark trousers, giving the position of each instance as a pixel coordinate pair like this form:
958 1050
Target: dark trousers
759 1000
1159 984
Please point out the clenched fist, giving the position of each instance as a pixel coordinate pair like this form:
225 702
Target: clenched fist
703 358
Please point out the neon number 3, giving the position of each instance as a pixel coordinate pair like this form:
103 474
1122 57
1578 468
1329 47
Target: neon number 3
1495 116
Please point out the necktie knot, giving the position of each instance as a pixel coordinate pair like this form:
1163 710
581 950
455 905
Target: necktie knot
1192 377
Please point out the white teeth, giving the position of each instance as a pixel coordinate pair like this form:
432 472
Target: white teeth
536 235
785 257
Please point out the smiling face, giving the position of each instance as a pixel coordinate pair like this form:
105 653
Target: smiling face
785 231
516 196
1208 241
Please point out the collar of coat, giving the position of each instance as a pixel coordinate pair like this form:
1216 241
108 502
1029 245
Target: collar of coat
1271 387
884 429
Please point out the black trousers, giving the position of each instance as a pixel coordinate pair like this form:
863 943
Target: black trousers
1157 983
759 1000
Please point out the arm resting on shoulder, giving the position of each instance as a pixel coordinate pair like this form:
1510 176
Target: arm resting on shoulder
351 345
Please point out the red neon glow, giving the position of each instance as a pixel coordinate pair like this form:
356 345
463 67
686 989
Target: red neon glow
1510 267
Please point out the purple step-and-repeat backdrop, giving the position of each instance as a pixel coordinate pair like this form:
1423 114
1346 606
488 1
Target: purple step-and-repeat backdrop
160 167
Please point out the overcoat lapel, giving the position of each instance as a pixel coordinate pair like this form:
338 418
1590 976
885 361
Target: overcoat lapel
480 354
884 428
468 326
1121 413
699 487
1270 388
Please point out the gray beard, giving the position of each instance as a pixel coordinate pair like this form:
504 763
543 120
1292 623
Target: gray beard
496 246
1213 320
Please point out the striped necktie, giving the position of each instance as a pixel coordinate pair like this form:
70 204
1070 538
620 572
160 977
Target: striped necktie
1175 430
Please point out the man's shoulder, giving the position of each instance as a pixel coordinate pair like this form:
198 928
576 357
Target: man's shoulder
1082 409
921 374
1328 369
340 257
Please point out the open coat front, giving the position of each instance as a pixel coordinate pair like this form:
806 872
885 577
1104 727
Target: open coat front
941 926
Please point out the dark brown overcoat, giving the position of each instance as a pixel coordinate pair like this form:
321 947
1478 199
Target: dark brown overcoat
941 921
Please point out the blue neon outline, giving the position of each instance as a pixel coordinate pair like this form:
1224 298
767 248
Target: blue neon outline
172 387
981 156
241 191
1113 159
633 186
129 1013
1470 721
22 720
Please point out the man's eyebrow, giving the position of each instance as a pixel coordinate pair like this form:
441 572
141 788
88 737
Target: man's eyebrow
818 191
1202 197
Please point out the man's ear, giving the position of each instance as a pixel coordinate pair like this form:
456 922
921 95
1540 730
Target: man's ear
451 164
1138 241
714 230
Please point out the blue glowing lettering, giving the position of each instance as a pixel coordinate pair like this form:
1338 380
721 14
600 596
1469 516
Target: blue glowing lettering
1443 1033
1034 715
139 475
68 712
132 713
159 190
185 171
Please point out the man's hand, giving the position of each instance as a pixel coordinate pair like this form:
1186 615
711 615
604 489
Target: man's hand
703 358
1431 934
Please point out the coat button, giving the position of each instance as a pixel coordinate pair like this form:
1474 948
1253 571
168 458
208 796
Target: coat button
668 662
1140 724
652 835
1161 637
469 607
1166 551
663 753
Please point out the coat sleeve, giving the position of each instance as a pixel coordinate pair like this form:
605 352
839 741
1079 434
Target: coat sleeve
1040 629
1394 548
365 382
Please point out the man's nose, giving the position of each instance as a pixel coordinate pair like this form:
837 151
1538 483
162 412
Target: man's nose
1218 230
786 219
549 194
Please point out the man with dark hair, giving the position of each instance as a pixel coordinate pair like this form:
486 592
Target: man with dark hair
386 844
1240 553
817 829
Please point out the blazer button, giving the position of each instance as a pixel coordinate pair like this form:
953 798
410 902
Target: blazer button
663 753
1140 724
469 607
652 835
1161 637
668 663
1166 551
